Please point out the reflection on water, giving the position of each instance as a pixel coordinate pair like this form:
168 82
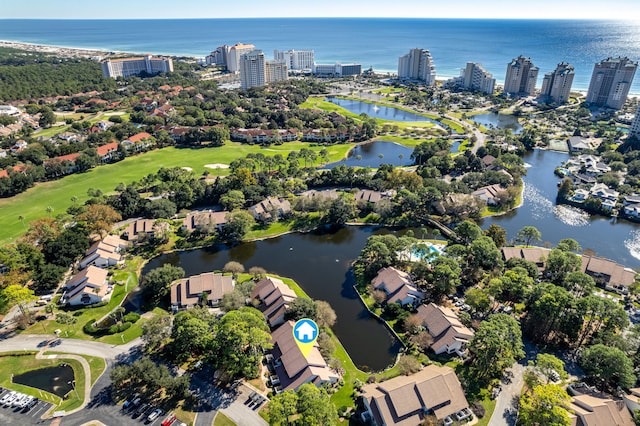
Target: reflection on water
633 243
538 204
572 216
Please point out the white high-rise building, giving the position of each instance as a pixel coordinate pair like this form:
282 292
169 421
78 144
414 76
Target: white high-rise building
610 82
296 60
556 85
235 52
475 77
275 71
252 69
635 126
126 67
521 77
218 56
417 65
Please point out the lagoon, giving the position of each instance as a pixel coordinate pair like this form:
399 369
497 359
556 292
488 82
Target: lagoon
499 121
373 154
379 111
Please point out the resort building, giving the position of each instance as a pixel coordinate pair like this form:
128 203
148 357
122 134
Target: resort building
87 287
536 255
270 208
206 220
127 67
476 78
234 53
218 56
397 286
144 228
255 71
556 85
188 292
273 297
417 65
296 60
608 274
105 253
491 194
336 70
291 367
410 400
610 82
521 77
449 334
635 125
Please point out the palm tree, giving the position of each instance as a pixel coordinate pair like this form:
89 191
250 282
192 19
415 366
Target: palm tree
49 210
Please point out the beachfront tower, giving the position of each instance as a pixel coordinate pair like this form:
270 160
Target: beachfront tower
296 60
275 71
476 78
417 65
126 67
635 126
521 77
610 82
252 71
556 85
235 52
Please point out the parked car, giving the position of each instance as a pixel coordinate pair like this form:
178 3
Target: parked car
169 420
154 415
10 397
141 409
31 404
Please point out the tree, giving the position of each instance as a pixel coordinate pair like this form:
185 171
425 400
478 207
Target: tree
315 406
237 226
547 364
99 218
478 299
235 268
239 339
609 366
468 231
66 319
497 233
559 264
232 200
340 211
192 336
232 301
160 208
156 283
299 308
325 315
544 405
16 294
497 344
529 234
444 276
408 364
282 407
155 331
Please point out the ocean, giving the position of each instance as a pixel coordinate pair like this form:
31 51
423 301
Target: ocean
373 42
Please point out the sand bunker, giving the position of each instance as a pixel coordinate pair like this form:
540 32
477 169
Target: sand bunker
217 166
189 169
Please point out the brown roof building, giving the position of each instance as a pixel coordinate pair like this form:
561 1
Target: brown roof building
267 208
536 255
398 286
274 297
87 287
186 292
205 219
449 334
608 273
490 194
292 367
589 410
143 227
405 400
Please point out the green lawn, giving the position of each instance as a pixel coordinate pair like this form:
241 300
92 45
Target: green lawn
13 365
222 420
33 203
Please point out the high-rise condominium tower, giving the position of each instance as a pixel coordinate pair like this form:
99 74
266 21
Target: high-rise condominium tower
475 77
610 82
521 77
556 85
417 65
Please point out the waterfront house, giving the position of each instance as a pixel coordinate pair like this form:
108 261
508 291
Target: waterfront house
603 192
580 195
141 228
608 274
188 292
105 253
578 144
448 333
583 179
369 196
631 199
632 399
87 287
273 298
590 410
408 400
536 255
397 286
632 210
490 194
204 220
292 368
270 208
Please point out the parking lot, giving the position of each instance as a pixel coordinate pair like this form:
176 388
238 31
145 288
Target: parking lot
22 416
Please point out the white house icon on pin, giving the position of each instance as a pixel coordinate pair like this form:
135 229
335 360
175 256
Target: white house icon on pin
305 332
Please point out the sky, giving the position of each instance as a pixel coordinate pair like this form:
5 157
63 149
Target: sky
159 9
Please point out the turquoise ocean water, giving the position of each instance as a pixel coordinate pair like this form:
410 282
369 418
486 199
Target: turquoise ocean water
375 42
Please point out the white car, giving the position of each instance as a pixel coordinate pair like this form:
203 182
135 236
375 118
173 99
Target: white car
9 397
18 401
154 415
26 401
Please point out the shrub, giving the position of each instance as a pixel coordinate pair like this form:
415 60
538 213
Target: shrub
131 317
478 409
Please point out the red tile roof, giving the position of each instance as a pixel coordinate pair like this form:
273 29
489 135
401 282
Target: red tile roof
69 157
105 149
138 137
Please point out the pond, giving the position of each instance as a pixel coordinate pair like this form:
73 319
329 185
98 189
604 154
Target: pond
373 154
56 380
320 262
618 240
500 121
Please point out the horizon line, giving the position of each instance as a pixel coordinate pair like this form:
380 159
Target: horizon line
324 17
